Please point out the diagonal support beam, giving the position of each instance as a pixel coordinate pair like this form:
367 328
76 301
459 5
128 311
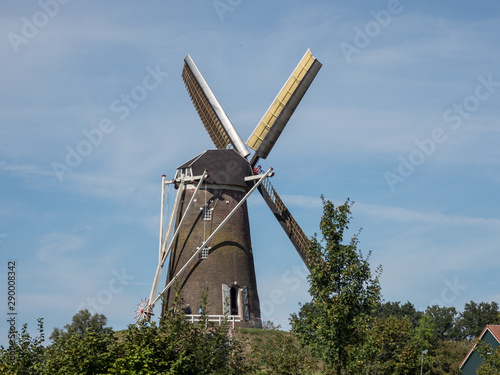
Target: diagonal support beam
165 252
176 233
162 216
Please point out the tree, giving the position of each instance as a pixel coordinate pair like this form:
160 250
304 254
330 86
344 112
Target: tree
343 289
444 319
447 356
282 354
397 310
81 321
90 352
84 346
389 348
394 346
174 347
25 355
475 317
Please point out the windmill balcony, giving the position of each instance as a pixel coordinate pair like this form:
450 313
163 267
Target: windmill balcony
231 319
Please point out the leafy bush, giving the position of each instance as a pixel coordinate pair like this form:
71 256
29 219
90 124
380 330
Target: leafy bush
25 355
282 354
174 347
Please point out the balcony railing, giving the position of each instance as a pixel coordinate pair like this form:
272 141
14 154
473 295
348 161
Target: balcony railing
231 319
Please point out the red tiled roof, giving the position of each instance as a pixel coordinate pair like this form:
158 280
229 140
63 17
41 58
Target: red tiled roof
494 330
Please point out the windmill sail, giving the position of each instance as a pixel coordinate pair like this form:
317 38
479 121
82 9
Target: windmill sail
294 232
275 119
218 125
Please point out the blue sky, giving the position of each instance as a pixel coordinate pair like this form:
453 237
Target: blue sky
402 118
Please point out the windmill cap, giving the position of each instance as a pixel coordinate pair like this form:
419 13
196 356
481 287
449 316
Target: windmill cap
227 167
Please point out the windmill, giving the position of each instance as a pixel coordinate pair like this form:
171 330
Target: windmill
207 238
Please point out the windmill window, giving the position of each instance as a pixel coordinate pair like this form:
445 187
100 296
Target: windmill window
204 252
246 304
234 300
207 213
184 172
226 303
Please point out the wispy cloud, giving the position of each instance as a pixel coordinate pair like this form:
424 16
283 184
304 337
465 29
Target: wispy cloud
398 214
301 200
89 184
24 170
57 246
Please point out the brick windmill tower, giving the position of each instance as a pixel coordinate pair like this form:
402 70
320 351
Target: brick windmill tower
207 239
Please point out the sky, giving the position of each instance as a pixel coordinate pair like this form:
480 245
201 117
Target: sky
402 119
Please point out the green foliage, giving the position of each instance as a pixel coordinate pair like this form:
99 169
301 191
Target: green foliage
423 335
342 326
24 354
491 359
81 321
389 348
269 324
85 346
394 346
89 352
444 319
179 347
447 356
475 317
343 289
395 309
304 325
282 354
174 347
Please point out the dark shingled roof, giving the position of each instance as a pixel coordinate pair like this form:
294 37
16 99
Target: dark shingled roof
225 167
